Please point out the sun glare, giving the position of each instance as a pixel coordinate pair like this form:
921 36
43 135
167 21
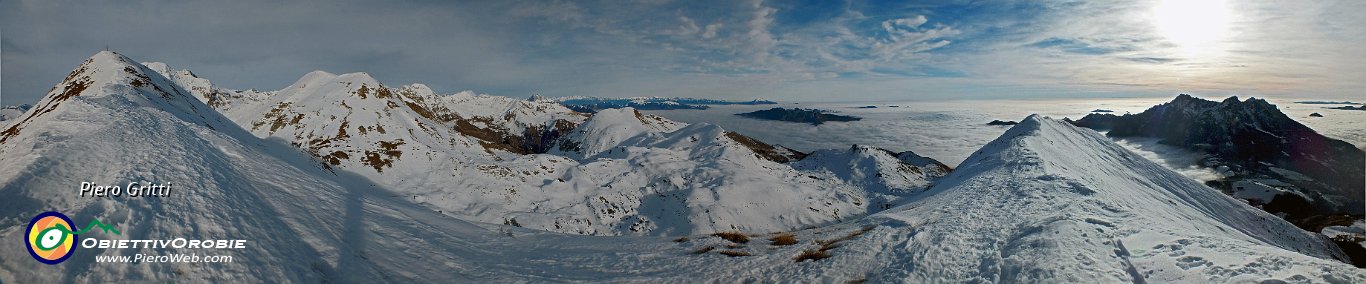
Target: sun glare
1193 25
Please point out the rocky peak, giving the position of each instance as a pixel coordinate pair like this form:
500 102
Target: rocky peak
1256 141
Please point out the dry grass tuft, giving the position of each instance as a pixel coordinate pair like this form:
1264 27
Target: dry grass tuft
826 245
784 239
812 255
734 253
833 242
703 250
681 239
735 237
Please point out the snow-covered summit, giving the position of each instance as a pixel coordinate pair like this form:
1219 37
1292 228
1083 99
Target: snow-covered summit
323 83
608 128
112 80
876 169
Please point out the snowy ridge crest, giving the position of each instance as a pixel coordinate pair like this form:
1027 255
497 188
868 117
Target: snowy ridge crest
109 79
1050 202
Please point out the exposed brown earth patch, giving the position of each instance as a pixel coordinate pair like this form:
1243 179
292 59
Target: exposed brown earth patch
766 151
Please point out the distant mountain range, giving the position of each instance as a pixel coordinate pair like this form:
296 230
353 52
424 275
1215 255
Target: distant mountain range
1328 102
11 112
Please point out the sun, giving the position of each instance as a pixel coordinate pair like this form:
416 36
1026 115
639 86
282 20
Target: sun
1193 25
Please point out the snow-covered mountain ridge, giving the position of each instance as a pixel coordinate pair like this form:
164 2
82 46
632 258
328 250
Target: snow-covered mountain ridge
533 163
1045 202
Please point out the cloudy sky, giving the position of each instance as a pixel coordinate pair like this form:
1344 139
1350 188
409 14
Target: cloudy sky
785 50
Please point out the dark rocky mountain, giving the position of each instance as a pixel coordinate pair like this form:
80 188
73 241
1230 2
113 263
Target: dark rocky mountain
593 104
1256 142
812 116
1328 103
1002 122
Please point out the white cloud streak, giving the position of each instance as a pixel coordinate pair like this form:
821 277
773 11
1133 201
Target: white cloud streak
735 49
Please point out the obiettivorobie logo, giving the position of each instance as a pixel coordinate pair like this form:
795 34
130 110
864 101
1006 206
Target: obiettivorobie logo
51 238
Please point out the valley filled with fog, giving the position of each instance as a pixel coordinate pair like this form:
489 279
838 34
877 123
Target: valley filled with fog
950 131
